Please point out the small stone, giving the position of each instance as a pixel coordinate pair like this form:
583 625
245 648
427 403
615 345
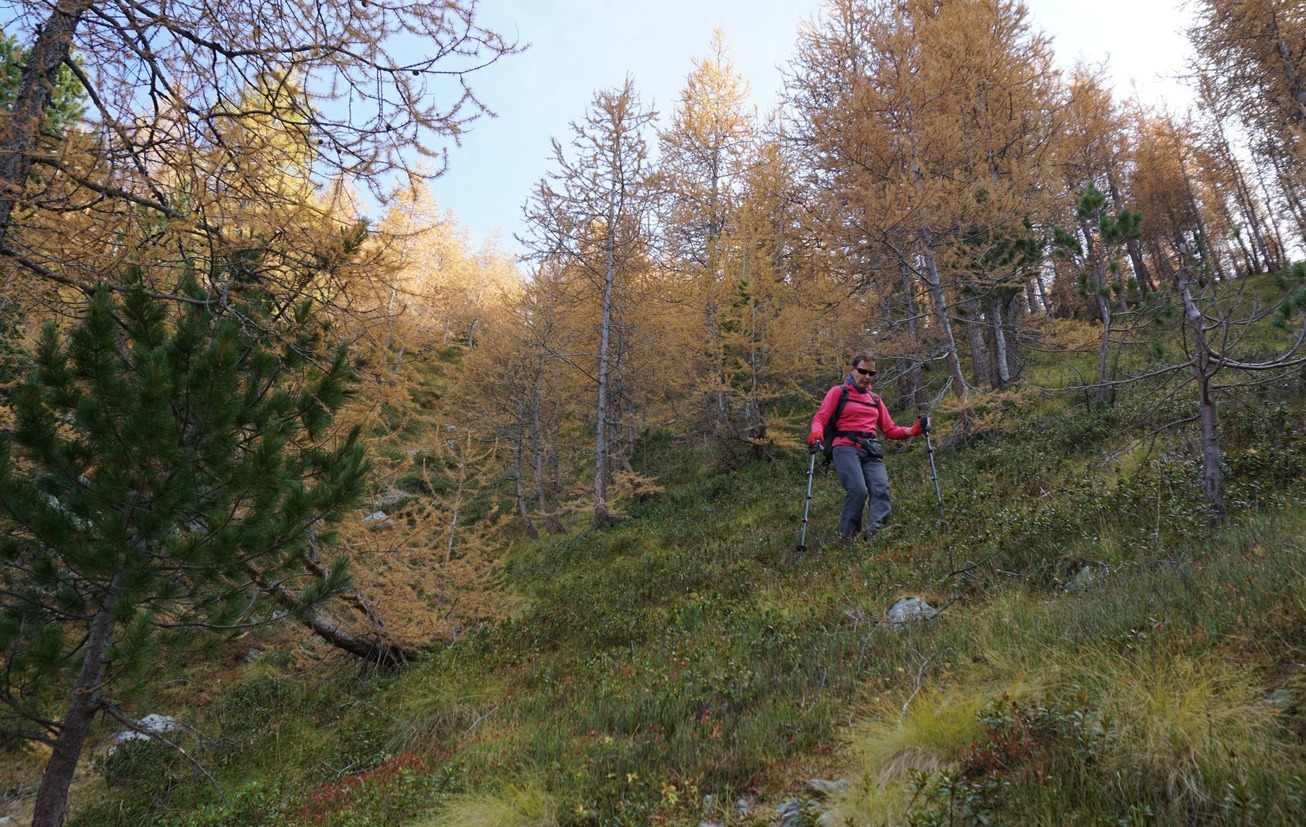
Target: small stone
1082 580
825 788
791 813
157 724
1280 699
791 807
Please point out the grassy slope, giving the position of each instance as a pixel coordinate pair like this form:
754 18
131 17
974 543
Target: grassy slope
1102 658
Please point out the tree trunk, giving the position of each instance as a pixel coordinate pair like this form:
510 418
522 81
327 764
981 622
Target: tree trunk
915 387
1249 258
1104 350
1209 259
1296 83
1212 475
374 649
718 356
1097 263
754 419
945 324
1001 371
1273 229
979 352
1012 315
52 794
527 525
601 513
1162 262
539 465
1043 297
52 47
1262 260
1288 186
1135 250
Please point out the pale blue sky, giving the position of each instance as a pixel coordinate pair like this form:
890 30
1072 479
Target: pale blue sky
580 46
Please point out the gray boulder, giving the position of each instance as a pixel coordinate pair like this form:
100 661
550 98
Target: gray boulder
151 725
910 610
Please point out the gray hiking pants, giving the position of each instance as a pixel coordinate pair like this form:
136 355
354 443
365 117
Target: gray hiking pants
860 475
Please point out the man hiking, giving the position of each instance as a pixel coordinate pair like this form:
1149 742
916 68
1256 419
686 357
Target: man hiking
849 417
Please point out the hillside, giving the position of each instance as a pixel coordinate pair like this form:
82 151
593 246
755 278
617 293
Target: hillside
1101 654
317 510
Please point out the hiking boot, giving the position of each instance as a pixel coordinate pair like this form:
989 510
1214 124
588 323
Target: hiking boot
879 529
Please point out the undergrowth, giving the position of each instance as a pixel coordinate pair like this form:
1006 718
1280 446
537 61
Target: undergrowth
1101 656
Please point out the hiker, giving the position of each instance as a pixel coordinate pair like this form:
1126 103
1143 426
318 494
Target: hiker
857 453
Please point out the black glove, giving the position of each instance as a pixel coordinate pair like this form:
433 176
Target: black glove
817 447
925 424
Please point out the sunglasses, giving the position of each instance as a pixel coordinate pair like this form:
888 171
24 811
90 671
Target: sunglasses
870 372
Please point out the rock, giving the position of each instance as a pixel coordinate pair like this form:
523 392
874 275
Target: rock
910 609
1280 699
791 807
792 813
710 824
151 724
376 517
1082 580
823 788
391 495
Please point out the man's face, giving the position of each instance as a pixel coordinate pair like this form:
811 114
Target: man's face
862 373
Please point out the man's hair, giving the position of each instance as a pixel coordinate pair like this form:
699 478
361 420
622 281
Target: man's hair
863 356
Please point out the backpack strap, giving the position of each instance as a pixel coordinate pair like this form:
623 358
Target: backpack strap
838 409
874 403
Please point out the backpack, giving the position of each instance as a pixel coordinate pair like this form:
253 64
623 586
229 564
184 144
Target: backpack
831 431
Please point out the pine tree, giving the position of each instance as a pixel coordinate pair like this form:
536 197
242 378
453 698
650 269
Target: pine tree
165 470
590 217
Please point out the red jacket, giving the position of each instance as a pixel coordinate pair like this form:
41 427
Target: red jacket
864 411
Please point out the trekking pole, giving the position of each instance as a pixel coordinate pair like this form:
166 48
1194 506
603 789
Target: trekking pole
934 472
802 538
